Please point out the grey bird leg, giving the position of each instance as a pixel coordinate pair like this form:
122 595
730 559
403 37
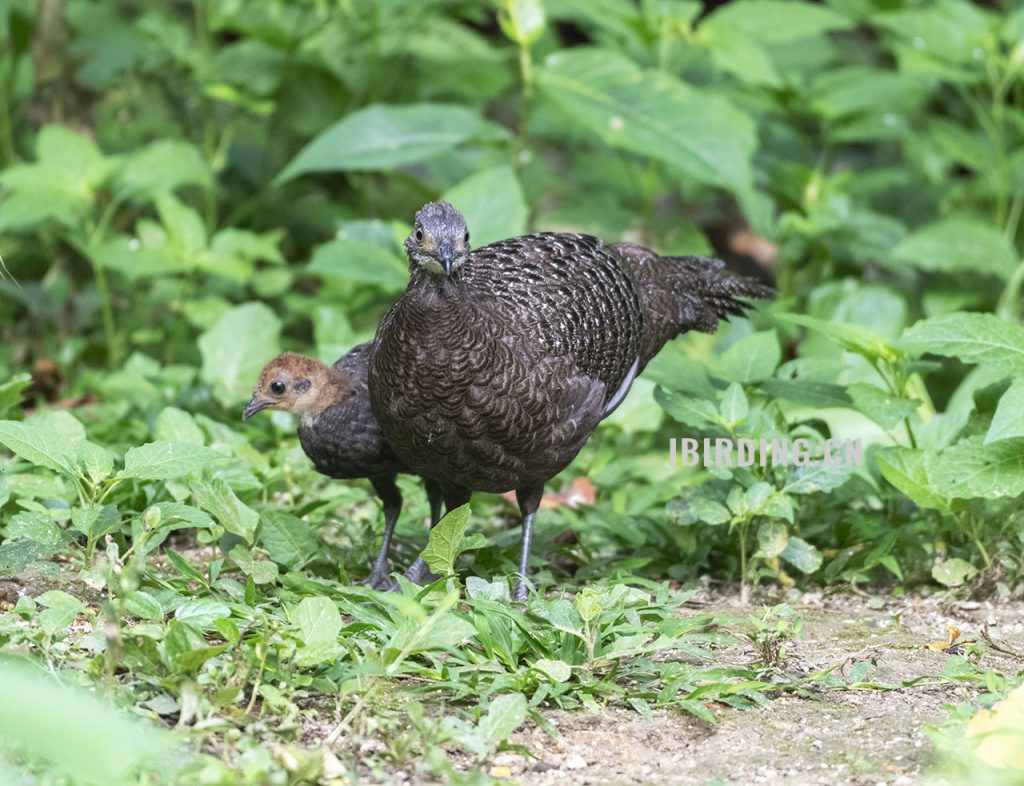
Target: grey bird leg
391 501
418 572
529 500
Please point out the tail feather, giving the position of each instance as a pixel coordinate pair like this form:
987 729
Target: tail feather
679 294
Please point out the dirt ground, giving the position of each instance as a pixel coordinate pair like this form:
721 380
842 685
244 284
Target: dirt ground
857 737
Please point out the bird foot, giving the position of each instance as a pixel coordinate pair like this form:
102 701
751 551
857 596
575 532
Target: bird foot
419 573
520 594
379 579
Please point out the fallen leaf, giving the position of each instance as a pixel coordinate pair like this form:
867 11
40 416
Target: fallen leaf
580 492
950 645
501 771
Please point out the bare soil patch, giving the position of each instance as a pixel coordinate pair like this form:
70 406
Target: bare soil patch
839 737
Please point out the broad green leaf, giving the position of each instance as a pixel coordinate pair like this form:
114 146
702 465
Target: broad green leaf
61 611
10 391
262 571
958 244
807 392
778 21
855 338
445 540
653 113
95 463
555 670
143 605
696 507
217 498
697 413
493 203
362 261
317 619
161 167
504 715
953 572
16 555
166 460
177 425
883 408
38 445
1008 421
202 612
772 539
236 348
801 555
915 473
36 526
289 540
733 406
971 469
984 339
385 137
818 477
74 732
753 358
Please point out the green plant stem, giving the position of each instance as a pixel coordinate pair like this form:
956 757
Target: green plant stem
744 589
1008 306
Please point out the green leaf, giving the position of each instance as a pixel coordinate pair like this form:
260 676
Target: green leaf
318 620
74 732
289 540
971 469
801 555
696 507
956 244
653 113
166 460
697 413
95 463
202 612
160 167
504 715
143 605
808 392
1008 421
817 477
217 498
493 203
385 137
177 425
885 409
772 539
61 611
914 472
854 338
262 571
953 572
236 348
445 540
16 555
36 526
777 21
753 358
734 407
362 261
38 445
10 391
555 670
984 339
523 21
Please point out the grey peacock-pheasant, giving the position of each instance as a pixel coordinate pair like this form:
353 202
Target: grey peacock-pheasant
495 365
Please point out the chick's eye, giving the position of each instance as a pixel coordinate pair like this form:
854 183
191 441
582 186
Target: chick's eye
418 235
277 388
466 238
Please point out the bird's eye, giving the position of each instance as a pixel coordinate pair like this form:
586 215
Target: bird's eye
277 387
466 238
418 235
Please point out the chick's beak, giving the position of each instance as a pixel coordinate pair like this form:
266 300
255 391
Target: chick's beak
256 404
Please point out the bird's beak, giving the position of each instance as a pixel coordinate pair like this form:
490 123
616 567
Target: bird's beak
447 257
255 405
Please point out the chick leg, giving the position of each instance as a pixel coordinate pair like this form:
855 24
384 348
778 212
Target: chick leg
391 501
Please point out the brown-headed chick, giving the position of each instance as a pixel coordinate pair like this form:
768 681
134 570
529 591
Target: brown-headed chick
339 433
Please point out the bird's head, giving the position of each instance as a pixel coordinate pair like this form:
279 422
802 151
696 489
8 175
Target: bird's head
297 383
439 241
